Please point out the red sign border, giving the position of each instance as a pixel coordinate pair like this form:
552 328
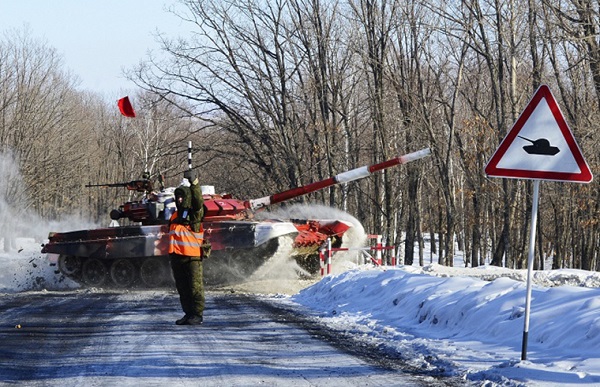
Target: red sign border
492 169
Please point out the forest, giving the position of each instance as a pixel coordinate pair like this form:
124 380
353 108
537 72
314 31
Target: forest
275 94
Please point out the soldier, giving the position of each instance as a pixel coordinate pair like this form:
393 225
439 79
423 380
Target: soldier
185 249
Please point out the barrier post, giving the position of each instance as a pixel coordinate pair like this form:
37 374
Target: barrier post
329 252
378 253
393 256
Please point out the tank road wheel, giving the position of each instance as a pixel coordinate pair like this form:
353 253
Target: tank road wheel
153 272
122 272
68 264
94 272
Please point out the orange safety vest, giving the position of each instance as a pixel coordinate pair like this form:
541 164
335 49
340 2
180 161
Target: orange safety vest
184 241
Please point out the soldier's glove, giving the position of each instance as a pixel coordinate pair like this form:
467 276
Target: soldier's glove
190 175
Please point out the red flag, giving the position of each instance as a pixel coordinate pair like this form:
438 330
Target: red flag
125 107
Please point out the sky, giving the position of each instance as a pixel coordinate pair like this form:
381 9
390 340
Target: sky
98 39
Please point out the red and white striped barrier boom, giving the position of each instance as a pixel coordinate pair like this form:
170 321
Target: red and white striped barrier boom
343 177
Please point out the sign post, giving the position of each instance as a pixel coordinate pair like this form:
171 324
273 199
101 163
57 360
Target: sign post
534 212
540 146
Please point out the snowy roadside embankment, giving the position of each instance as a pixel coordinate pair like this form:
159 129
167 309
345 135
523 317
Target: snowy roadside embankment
548 278
473 324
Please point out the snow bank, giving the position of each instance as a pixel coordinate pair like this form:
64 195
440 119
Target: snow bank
547 278
474 324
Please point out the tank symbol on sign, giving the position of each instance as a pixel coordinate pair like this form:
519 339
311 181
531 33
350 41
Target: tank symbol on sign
540 146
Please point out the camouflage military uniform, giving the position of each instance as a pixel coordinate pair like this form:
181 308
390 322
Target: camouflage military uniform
188 280
187 267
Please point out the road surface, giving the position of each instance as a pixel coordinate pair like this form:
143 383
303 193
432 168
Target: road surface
125 338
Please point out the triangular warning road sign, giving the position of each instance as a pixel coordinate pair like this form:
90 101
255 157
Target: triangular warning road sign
540 145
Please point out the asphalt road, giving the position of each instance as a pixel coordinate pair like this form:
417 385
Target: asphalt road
129 338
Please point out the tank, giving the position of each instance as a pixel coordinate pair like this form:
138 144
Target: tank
137 255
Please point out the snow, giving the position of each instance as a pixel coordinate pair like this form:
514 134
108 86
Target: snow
466 321
474 325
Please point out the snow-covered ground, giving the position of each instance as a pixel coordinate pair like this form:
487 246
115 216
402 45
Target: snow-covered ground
469 320
474 325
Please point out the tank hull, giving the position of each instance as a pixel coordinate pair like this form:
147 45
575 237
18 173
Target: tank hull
137 256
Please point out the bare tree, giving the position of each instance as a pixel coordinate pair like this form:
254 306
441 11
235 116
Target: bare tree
235 73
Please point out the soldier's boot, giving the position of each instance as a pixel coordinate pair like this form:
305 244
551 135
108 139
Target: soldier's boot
194 320
183 320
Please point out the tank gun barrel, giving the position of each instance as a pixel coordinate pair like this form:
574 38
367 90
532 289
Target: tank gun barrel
107 185
344 177
135 185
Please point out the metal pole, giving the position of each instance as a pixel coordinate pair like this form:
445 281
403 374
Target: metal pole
378 252
534 212
190 156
